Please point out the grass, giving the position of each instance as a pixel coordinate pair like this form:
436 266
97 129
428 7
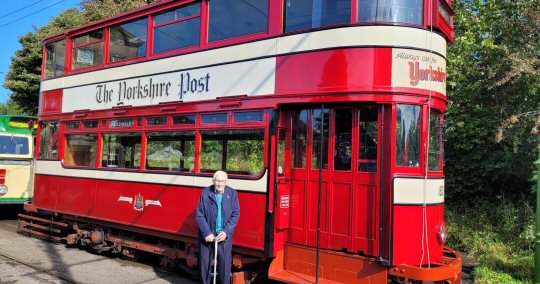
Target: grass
498 234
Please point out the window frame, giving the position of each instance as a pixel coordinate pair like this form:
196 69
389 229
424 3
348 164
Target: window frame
202 29
103 128
422 117
107 48
74 48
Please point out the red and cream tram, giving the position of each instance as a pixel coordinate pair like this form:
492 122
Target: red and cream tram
327 115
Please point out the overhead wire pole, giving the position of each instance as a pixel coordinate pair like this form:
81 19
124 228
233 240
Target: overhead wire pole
317 268
537 234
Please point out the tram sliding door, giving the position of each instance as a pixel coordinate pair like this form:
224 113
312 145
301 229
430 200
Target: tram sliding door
350 183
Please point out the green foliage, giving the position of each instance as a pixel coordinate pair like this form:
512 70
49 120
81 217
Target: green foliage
493 75
500 240
10 107
101 9
25 73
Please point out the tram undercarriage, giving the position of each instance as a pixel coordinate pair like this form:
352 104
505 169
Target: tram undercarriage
295 264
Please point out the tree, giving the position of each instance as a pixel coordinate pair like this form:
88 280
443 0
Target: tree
493 74
24 75
10 107
100 9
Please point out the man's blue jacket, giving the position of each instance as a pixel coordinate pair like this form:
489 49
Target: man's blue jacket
207 211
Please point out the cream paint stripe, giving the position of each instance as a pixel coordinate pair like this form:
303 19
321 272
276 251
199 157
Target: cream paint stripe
338 37
55 168
361 36
408 191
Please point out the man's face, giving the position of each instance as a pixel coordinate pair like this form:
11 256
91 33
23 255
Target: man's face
220 181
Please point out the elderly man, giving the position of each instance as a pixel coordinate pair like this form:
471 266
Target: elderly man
217 215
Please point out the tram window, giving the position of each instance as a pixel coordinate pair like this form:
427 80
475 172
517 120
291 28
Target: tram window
234 18
177 28
281 152
249 116
299 136
119 123
315 161
435 141
306 14
88 49
121 150
184 119
408 136
343 151
220 118
171 151
128 40
90 124
55 57
395 11
73 125
81 150
369 137
235 151
14 145
48 140
157 121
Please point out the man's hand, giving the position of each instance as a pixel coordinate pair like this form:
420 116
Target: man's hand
210 238
221 236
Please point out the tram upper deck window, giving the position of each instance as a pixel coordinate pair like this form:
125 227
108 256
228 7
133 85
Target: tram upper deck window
408 130
88 49
177 28
306 14
55 55
234 18
128 40
394 11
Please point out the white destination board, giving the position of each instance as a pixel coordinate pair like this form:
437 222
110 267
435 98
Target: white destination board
251 78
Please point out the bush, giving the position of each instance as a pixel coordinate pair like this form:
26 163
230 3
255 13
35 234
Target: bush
499 234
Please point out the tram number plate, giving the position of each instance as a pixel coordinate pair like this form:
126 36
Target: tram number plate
284 201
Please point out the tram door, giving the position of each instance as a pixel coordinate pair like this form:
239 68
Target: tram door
349 160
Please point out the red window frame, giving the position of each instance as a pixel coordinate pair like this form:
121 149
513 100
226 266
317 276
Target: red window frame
153 26
74 47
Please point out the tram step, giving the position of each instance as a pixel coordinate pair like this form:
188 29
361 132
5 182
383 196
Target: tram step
296 264
41 235
28 224
60 224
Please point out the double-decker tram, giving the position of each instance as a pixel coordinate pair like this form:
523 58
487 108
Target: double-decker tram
17 133
327 115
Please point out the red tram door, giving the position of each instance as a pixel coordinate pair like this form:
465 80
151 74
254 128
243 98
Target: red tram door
350 178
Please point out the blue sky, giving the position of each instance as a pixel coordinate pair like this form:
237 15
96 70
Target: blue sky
15 23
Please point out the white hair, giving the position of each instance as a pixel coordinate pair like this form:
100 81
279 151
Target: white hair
220 173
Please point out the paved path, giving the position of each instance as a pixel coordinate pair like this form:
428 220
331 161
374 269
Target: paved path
28 260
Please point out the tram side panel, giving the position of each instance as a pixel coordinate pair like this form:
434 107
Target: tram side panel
159 207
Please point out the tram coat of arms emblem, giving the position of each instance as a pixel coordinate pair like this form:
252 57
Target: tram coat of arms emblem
139 202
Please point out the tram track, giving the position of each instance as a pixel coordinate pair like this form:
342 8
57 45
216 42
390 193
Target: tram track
49 272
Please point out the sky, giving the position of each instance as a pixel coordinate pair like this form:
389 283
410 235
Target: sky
18 17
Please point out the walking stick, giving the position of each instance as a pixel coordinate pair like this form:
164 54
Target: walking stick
215 259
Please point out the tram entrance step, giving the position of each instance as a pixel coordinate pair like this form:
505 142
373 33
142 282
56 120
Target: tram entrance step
297 264
41 227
